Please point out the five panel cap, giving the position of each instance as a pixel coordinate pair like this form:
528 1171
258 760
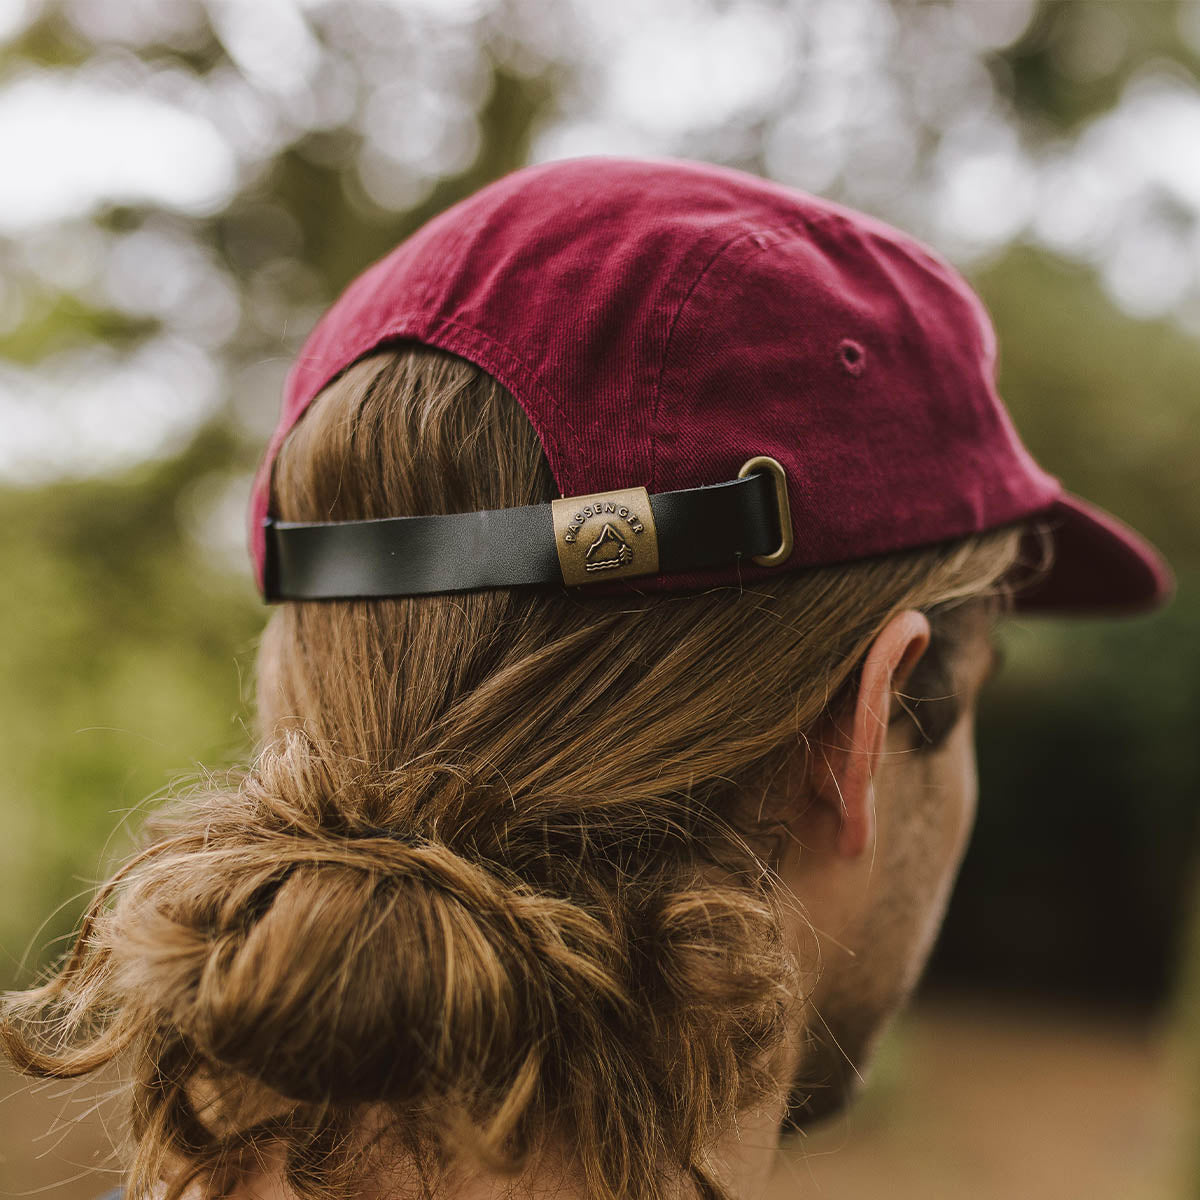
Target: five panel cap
730 379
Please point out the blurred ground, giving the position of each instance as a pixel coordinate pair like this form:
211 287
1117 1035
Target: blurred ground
996 1099
971 1098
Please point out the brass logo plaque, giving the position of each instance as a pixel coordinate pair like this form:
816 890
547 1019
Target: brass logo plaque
607 535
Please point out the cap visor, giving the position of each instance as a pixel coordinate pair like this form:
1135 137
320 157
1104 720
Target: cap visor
1100 565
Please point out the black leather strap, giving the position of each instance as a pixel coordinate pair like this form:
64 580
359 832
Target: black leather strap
502 547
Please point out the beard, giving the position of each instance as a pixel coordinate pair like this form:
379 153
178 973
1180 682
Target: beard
892 944
834 1065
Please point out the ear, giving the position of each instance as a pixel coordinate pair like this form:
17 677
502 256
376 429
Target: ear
847 781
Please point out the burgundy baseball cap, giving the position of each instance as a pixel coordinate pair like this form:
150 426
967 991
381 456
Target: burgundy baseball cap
730 379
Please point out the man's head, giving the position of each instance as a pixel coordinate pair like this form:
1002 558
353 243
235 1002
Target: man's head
826 719
502 872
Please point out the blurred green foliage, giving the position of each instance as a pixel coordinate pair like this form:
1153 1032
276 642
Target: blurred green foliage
1076 55
126 660
126 645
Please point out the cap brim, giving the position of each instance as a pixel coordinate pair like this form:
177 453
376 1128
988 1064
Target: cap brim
1100 565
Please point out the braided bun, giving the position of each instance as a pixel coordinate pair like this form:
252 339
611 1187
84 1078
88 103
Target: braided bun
272 937
356 969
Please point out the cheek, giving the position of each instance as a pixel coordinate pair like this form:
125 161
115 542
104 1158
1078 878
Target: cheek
952 818
962 788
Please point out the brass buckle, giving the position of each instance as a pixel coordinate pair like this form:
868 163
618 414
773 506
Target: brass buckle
764 462
605 535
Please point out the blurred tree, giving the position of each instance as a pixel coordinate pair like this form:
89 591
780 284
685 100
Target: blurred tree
123 657
126 639
1076 56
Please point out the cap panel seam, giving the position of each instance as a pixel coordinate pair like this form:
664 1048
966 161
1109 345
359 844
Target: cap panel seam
452 240
717 255
929 258
499 352
528 379
515 366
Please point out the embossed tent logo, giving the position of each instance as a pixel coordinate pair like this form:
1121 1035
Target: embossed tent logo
605 535
609 550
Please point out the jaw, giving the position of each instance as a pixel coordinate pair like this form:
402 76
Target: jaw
818 1097
838 1052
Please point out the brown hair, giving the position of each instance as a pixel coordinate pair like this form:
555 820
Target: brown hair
500 873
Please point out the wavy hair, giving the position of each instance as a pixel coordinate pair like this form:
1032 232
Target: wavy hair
499 875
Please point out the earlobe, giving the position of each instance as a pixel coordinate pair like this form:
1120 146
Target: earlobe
891 658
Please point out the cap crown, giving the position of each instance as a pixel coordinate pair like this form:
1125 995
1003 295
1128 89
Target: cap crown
661 321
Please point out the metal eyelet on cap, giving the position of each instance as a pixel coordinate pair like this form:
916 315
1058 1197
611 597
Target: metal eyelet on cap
764 462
